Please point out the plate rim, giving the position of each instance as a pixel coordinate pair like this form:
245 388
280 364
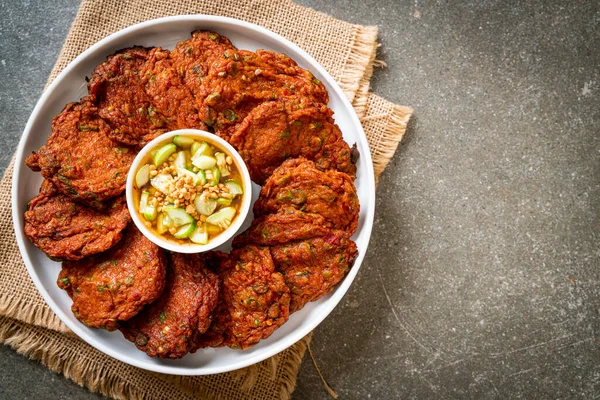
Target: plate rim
295 336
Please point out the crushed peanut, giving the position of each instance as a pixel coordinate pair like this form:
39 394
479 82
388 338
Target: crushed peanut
183 191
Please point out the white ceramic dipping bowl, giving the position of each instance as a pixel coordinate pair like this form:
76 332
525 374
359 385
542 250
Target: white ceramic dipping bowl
188 246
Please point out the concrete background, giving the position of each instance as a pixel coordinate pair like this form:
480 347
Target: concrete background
482 275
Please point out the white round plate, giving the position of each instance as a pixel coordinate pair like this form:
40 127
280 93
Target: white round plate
70 85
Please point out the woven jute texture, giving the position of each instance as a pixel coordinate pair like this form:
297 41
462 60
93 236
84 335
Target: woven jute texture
29 326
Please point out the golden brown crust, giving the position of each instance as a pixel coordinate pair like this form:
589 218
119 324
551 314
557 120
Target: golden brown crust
312 268
80 159
169 327
254 301
241 80
163 82
66 230
117 89
299 184
288 224
113 286
194 57
288 128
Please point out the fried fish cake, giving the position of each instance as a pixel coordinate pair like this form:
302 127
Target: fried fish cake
165 87
193 57
288 128
287 225
254 301
312 268
117 88
298 183
66 230
80 159
169 328
317 138
113 286
263 140
241 80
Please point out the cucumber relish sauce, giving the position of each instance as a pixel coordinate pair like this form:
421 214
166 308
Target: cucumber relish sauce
188 191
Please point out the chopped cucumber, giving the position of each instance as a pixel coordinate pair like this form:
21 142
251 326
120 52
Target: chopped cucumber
194 148
142 176
223 217
144 200
150 213
200 235
204 162
169 200
234 187
164 153
180 160
205 205
178 216
183 160
225 171
223 201
182 141
203 150
222 163
162 223
147 210
202 177
162 182
185 231
197 178
216 173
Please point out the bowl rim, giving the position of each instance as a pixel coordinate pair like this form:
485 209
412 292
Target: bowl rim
293 337
190 247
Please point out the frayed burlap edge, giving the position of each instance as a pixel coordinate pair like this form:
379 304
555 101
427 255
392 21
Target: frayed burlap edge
57 353
31 314
359 63
291 367
391 138
248 376
386 125
362 92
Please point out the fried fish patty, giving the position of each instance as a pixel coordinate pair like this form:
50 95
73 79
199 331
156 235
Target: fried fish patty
113 286
164 84
117 87
287 225
299 184
311 257
254 301
80 159
193 57
169 328
241 80
67 230
288 128
312 268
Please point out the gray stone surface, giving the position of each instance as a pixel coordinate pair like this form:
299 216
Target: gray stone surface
482 277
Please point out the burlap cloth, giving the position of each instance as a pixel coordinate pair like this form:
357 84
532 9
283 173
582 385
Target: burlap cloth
29 326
